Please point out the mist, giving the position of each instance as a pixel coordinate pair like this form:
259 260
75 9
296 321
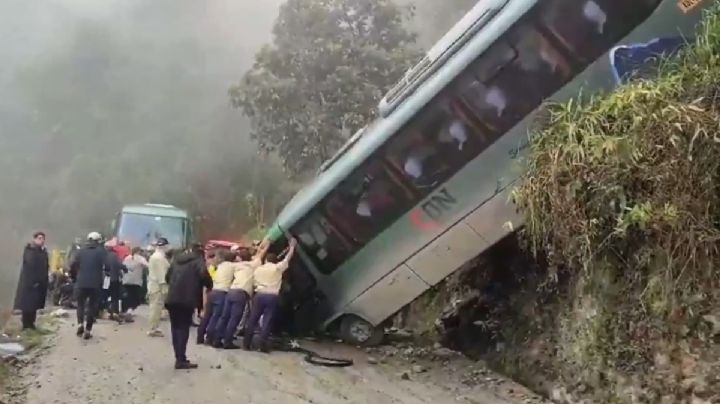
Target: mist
108 102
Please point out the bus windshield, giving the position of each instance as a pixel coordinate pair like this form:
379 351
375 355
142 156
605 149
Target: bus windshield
143 230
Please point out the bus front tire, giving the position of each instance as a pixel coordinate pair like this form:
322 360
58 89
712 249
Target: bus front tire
356 331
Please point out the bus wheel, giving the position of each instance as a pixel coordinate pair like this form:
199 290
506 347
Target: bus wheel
354 330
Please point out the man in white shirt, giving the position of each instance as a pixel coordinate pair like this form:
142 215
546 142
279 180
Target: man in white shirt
267 281
158 266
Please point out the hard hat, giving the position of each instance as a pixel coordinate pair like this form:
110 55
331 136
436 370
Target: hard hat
94 236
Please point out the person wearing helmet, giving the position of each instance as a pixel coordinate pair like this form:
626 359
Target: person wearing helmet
158 266
88 271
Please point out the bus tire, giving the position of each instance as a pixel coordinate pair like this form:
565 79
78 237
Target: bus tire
356 331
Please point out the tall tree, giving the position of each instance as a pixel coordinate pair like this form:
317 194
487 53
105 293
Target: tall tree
318 82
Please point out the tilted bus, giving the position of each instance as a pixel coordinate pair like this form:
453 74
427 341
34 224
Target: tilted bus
425 188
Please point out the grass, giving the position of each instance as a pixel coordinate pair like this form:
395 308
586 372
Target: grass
622 195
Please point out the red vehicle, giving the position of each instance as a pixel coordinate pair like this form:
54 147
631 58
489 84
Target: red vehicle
214 245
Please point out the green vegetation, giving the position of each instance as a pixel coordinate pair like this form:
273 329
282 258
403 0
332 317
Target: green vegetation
329 63
623 198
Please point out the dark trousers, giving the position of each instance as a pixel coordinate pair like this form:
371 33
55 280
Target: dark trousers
103 300
232 313
28 319
213 311
87 306
180 322
115 292
264 305
133 297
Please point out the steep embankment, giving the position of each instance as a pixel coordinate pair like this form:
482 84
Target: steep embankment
623 197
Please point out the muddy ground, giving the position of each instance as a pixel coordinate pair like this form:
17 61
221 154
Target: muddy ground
121 364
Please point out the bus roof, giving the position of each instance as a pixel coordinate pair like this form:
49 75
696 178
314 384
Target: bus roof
154 209
379 131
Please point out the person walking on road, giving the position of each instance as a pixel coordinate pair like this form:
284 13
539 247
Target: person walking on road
267 281
88 271
238 296
136 265
115 269
186 278
158 266
33 283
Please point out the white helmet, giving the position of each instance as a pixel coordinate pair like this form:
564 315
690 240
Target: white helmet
94 236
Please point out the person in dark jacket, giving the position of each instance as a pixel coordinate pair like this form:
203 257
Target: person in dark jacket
33 283
88 270
186 278
115 269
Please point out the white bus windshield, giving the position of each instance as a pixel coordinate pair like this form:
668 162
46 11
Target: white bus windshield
143 230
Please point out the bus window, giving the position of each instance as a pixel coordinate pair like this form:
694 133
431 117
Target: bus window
589 28
320 241
537 71
366 203
437 144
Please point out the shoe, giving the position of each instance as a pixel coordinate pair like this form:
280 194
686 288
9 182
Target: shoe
217 344
200 341
264 347
155 333
129 319
185 365
87 335
230 346
80 331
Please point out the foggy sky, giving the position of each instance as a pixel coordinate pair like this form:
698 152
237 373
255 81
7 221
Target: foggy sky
163 66
155 37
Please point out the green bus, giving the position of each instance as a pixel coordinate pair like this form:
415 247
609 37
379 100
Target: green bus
141 225
425 188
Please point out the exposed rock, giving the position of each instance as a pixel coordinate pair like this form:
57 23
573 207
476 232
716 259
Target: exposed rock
372 360
60 313
418 369
444 353
405 375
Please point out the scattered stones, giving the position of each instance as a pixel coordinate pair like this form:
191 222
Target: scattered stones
60 313
418 369
444 353
405 375
372 360
11 349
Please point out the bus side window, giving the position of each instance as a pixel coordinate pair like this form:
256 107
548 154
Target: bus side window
589 28
367 202
441 140
537 71
321 242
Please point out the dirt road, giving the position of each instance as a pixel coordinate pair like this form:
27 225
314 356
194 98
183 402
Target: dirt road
122 365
